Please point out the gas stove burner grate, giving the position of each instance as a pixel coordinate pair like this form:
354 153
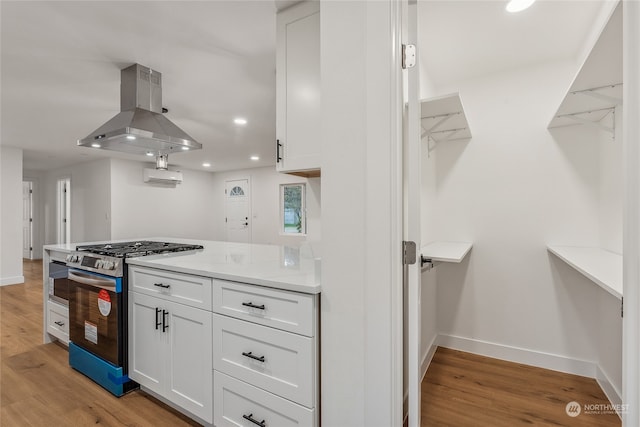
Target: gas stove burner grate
137 248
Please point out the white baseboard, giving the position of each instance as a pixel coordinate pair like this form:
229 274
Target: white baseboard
525 356
11 280
612 393
428 356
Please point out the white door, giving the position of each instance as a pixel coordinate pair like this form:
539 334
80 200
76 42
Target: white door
64 210
237 208
27 219
412 180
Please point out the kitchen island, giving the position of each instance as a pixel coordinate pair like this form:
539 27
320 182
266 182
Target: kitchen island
225 334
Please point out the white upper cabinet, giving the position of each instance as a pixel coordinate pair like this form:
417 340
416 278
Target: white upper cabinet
298 90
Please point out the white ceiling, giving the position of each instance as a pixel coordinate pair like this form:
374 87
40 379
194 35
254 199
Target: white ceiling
61 64
466 39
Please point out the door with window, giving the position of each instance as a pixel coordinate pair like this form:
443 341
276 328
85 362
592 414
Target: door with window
238 210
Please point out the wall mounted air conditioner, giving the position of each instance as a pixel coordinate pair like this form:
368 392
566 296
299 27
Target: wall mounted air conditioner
162 176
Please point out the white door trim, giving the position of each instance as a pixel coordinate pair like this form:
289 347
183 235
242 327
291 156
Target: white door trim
631 223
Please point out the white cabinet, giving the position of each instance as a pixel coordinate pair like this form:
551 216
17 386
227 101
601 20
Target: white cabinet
265 356
170 352
298 100
57 317
237 403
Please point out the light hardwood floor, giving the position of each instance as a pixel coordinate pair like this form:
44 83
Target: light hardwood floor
466 390
37 386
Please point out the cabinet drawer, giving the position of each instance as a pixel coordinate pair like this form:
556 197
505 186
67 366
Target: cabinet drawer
194 291
289 311
280 362
236 403
58 321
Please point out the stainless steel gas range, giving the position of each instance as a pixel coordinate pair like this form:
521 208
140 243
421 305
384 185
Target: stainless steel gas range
98 292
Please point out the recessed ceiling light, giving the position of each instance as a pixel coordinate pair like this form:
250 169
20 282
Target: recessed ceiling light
518 5
149 153
131 137
254 158
240 121
206 165
95 145
185 148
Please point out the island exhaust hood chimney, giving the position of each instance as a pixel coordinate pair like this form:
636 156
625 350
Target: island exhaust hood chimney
140 127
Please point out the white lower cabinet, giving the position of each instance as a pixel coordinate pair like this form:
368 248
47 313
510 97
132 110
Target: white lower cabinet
265 356
248 356
58 321
170 352
237 403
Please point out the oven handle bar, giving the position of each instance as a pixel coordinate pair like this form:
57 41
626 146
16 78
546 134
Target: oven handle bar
91 280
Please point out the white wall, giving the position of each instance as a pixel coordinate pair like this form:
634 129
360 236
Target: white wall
265 205
10 216
90 201
140 209
512 189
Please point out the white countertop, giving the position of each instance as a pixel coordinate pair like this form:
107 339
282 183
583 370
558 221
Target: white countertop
283 267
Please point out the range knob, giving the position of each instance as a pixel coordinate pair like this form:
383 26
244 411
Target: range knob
108 265
68 258
99 264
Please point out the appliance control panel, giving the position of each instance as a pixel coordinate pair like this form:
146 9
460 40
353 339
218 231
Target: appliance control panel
109 266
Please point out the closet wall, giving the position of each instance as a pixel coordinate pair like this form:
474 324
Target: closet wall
511 190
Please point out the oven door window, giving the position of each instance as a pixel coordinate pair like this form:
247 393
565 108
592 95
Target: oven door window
93 315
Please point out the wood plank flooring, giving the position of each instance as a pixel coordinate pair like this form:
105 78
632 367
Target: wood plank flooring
37 386
466 390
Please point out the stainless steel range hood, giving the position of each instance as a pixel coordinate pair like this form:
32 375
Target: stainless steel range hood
140 127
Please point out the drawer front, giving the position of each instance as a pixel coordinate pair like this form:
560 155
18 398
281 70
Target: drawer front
236 403
58 321
277 361
289 311
194 291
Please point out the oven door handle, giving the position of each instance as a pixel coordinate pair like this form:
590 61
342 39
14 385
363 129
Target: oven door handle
92 280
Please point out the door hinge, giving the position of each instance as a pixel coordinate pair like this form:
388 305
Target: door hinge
30 191
622 307
408 252
408 56
30 219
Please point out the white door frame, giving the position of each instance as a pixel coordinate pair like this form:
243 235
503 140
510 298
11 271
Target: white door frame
631 224
63 210
31 210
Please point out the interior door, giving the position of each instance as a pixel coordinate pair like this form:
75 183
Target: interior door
27 219
412 180
237 206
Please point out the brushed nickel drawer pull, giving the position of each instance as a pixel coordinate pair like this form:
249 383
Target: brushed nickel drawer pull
59 323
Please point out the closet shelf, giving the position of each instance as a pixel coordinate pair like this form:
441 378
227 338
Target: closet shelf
443 119
597 88
602 267
446 251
